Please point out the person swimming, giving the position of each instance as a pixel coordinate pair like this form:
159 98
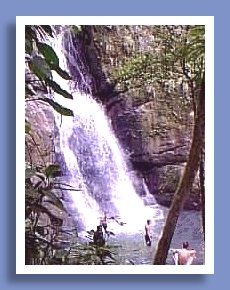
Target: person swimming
184 256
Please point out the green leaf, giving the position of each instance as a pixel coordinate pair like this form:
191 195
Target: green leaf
58 89
58 108
63 73
40 68
52 169
27 127
49 54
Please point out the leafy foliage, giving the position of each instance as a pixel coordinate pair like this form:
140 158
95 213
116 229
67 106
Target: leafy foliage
175 50
44 227
168 70
49 54
44 240
58 108
47 241
190 56
42 60
81 254
43 224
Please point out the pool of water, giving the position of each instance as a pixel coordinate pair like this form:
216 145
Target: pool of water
130 246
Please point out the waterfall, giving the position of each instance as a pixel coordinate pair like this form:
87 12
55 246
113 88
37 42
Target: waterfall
95 163
145 187
148 198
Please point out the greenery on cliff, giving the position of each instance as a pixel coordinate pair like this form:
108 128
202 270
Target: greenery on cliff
173 63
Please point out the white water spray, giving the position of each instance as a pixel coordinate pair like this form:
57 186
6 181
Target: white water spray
95 162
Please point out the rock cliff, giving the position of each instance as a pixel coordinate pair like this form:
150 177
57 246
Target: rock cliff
153 127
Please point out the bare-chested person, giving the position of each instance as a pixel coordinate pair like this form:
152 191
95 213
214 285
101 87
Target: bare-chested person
103 221
184 256
148 233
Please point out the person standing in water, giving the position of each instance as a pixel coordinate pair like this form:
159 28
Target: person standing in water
148 233
103 222
184 256
98 237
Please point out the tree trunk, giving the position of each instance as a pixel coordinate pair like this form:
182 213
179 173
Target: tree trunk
202 189
186 181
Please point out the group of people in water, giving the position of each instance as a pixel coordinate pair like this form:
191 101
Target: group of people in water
99 236
101 232
183 256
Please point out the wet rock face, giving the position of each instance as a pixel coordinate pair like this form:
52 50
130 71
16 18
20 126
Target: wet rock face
155 150
156 143
43 142
163 182
40 143
83 52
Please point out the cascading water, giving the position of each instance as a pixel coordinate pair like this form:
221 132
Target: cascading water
94 160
